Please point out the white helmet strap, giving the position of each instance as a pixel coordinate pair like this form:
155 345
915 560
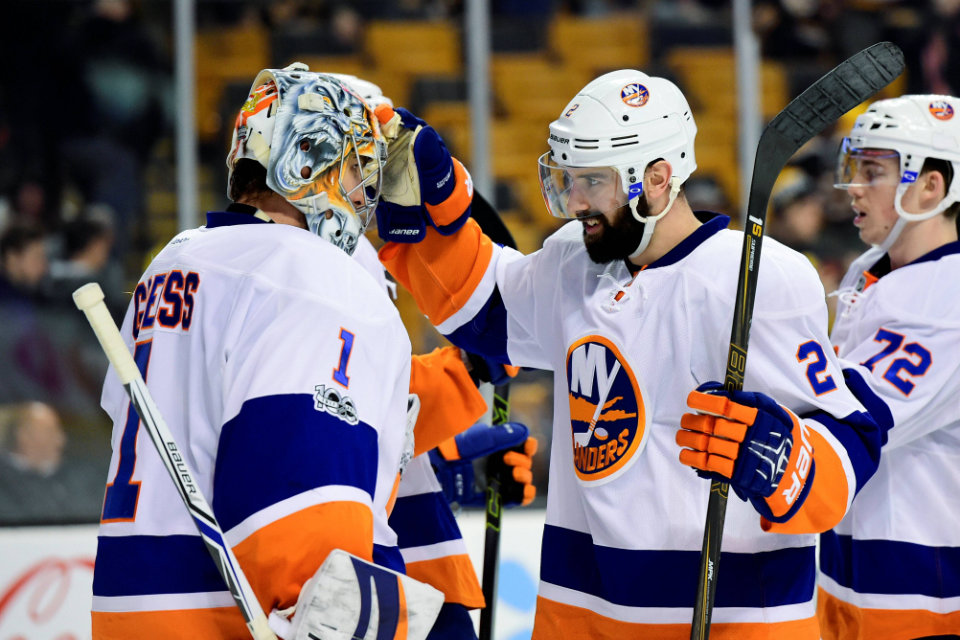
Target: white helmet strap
649 222
903 216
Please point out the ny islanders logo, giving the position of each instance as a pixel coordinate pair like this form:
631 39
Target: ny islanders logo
607 416
634 94
941 110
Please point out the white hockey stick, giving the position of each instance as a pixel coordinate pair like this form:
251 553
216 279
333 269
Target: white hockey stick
89 299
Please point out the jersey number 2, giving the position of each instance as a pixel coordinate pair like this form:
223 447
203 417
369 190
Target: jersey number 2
120 499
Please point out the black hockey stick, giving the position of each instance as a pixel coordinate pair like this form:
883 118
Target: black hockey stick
851 82
491 224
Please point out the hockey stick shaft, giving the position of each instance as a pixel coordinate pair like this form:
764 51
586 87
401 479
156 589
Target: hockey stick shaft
492 225
89 299
850 83
491 542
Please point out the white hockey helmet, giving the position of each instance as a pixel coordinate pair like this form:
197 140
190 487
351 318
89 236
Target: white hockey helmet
912 128
620 122
305 128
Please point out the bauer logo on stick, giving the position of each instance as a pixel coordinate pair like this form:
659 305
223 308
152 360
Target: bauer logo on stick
634 94
608 420
941 110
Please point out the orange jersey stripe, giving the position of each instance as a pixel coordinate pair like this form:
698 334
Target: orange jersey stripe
840 620
826 502
401 633
284 554
557 621
441 272
443 213
453 575
220 623
449 400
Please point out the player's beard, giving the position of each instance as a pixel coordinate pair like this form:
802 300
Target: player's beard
617 239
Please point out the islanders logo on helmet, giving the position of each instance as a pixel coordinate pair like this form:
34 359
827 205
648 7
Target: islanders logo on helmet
634 94
941 110
608 419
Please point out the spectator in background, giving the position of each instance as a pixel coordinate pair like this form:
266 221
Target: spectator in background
36 485
87 245
122 112
23 263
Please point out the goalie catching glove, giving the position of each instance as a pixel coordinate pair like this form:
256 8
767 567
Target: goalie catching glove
453 462
748 440
422 183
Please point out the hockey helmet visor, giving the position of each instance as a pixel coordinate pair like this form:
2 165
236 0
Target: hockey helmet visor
866 167
578 192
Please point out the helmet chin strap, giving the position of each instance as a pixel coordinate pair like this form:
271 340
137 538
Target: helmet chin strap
649 222
903 216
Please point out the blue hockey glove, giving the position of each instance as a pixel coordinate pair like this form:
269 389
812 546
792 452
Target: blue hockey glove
453 462
761 448
422 184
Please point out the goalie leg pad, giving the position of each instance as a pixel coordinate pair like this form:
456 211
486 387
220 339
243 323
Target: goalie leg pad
352 599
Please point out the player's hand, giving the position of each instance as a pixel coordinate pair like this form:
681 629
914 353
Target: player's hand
747 439
483 369
512 450
422 184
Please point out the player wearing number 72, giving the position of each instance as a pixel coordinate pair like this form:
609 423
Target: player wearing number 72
891 568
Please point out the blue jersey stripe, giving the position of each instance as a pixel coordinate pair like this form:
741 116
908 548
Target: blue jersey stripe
146 565
281 446
641 578
891 567
486 333
861 434
423 519
389 557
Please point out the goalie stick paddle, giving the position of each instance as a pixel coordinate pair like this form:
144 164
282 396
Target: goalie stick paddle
491 224
89 299
850 83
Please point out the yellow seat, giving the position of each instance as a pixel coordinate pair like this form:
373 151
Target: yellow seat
224 55
614 41
533 88
709 80
413 46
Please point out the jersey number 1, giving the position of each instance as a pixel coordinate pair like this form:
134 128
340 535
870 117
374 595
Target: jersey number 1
120 499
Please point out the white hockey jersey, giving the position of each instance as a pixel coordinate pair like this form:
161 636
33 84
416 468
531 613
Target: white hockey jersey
891 568
428 536
282 371
624 524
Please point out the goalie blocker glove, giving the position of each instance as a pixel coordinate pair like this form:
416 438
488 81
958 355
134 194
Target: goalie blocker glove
748 440
512 449
422 183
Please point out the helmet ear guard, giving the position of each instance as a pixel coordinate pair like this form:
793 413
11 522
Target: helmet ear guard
316 138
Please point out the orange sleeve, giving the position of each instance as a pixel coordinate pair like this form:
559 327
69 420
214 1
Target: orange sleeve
826 502
449 400
440 271
279 557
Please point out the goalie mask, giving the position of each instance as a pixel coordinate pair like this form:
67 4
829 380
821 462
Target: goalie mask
321 146
603 141
909 129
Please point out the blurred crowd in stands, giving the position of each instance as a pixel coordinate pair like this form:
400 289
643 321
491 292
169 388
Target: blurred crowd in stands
87 114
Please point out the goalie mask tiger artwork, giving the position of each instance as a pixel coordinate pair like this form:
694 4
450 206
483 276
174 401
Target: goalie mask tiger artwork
321 146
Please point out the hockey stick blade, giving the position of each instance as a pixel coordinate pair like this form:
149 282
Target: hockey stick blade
850 83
